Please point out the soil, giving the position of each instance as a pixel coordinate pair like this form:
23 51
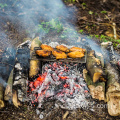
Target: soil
87 16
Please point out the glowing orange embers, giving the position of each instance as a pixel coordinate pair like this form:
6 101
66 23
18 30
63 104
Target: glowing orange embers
59 81
39 80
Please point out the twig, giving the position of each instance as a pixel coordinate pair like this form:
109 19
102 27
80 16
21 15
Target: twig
113 25
114 30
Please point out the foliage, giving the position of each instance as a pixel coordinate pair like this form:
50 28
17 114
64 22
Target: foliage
69 33
70 1
104 38
54 24
90 12
3 5
104 12
81 31
84 5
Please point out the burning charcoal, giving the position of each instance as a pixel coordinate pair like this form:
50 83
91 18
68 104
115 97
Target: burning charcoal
55 77
62 83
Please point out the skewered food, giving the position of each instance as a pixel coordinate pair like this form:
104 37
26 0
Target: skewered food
76 54
59 54
77 49
62 48
43 53
46 47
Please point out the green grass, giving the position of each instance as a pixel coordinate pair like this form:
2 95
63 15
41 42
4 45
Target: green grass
103 38
54 24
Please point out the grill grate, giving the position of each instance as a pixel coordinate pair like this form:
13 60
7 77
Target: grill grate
51 58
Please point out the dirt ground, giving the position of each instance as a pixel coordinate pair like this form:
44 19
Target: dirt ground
93 17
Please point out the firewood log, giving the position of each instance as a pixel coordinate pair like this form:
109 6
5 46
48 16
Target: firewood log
94 66
15 99
35 43
113 90
34 64
8 90
1 97
97 90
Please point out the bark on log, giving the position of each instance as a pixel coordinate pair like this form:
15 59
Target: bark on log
94 66
34 64
97 90
113 91
15 99
8 90
1 97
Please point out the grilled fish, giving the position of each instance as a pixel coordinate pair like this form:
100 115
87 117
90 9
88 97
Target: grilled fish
62 48
59 54
43 53
46 47
77 49
76 54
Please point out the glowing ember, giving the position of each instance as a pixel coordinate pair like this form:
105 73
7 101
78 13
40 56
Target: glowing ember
60 81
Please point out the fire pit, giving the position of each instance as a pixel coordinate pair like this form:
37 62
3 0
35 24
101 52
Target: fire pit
62 82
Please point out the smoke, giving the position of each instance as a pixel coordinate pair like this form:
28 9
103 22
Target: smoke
2 81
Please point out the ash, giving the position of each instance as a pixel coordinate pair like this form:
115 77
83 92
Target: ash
62 82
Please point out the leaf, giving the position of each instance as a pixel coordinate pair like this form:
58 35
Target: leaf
90 12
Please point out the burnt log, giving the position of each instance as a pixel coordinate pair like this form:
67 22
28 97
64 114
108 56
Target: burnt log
21 73
113 90
94 66
97 90
34 64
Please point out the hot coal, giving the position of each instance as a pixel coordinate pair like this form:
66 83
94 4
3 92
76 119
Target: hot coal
62 82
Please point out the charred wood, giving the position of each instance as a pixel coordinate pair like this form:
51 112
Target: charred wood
21 73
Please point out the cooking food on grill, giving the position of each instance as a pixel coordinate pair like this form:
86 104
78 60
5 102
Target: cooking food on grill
59 54
77 49
43 53
76 54
46 47
62 48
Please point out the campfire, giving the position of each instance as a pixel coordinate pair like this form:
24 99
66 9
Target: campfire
70 82
60 81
